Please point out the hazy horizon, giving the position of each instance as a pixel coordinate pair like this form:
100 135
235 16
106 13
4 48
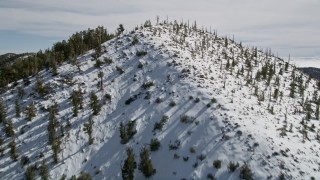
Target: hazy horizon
287 27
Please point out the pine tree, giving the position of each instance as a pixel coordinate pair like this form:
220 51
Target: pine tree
292 89
30 112
88 128
129 166
120 30
145 165
317 113
54 140
3 113
21 92
44 171
17 107
94 103
41 89
309 111
56 149
9 129
76 102
13 150
123 134
100 75
30 173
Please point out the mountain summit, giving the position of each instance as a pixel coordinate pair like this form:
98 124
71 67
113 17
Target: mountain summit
168 101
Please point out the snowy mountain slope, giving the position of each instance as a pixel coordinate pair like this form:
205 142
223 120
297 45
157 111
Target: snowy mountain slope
227 113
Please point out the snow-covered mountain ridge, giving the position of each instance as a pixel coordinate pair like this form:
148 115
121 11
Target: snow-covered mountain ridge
222 101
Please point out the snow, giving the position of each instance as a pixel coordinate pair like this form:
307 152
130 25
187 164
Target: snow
236 128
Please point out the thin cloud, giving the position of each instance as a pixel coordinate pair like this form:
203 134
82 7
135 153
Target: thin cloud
280 25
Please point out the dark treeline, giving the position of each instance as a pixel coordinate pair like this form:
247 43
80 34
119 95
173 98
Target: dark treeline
60 52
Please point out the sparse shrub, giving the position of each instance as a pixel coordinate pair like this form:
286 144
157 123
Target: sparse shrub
192 150
148 95
64 177
159 100
185 158
147 85
154 144
172 103
159 125
210 177
108 60
98 63
140 65
213 100
201 157
197 100
141 53
186 119
233 166
246 173
107 97
131 99
135 40
120 70
176 156
84 176
175 145
24 160
217 164
195 165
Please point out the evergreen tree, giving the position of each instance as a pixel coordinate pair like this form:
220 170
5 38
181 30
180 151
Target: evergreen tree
123 134
276 94
44 171
317 113
84 176
3 113
100 75
77 101
120 30
41 89
30 112
88 128
129 166
56 148
145 165
13 150
9 129
54 140
21 92
292 89
30 173
95 104
17 107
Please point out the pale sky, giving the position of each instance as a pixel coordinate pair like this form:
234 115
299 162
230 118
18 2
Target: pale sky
286 26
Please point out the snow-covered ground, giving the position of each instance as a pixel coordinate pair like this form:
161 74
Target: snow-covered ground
246 124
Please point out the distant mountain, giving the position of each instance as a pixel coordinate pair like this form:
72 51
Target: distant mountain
186 102
9 58
313 72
